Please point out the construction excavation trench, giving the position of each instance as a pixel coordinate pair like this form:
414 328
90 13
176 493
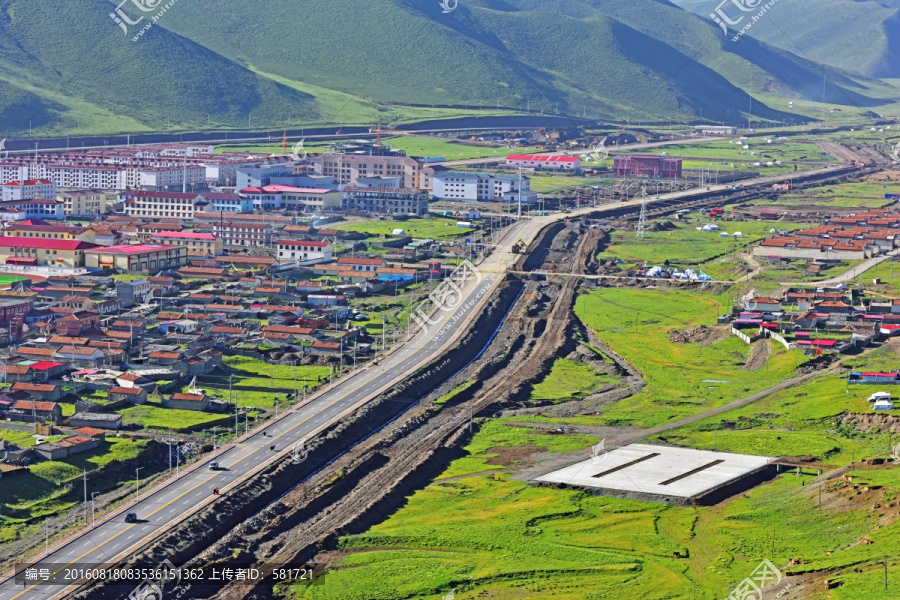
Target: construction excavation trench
362 470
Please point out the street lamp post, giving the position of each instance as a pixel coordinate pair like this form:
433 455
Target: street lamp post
137 484
93 518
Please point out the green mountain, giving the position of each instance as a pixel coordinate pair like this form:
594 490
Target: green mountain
863 35
67 67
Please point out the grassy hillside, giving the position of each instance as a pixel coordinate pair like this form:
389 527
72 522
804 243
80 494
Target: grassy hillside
574 58
853 34
227 63
162 78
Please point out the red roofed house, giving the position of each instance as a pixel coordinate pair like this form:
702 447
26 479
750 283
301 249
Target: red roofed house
136 258
134 395
304 252
31 411
198 402
646 165
197 244
362 264
42 391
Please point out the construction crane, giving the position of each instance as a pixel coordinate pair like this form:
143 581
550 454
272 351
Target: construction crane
284 143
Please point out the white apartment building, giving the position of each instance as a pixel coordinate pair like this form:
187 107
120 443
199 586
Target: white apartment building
29 189
303 252
481 187
155 205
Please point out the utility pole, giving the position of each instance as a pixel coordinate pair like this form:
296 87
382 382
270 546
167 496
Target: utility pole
84 476
137 485
93 517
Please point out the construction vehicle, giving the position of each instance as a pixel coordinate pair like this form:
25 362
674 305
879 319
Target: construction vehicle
520 247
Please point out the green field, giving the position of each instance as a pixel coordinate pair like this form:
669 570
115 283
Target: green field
481 533
546 184
732 152
437 228
422 147
154 416
681 377
846 195
569 380
685 245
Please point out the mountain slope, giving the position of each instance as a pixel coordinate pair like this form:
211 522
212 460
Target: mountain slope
863 35
162 78
222 61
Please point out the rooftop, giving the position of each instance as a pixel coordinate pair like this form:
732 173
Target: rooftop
660 473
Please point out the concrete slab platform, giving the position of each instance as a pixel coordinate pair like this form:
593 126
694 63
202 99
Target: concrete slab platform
664 474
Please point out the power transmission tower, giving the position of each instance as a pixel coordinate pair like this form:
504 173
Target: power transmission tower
642 224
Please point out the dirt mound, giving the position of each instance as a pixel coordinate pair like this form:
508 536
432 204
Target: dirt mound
663 226
515 455
694 335
869 423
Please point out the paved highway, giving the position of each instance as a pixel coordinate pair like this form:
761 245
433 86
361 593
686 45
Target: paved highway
163 507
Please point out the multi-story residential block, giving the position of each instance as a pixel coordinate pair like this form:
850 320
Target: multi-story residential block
197 244
386 201
242 234
43 252
480 187
303 252
284 197
82 202
542 162
156 205
646 165
53 232
350 168
30 189
19 210
229 203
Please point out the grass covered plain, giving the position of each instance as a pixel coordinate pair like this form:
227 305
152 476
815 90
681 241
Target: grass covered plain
481 533
569 380
686 245
437 228
680 377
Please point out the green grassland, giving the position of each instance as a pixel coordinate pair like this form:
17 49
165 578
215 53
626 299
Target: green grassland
847 195
802 420
485 534
547 184
635 323
153 416
569 380
42 492
732 152
437 228
685 245
424 146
